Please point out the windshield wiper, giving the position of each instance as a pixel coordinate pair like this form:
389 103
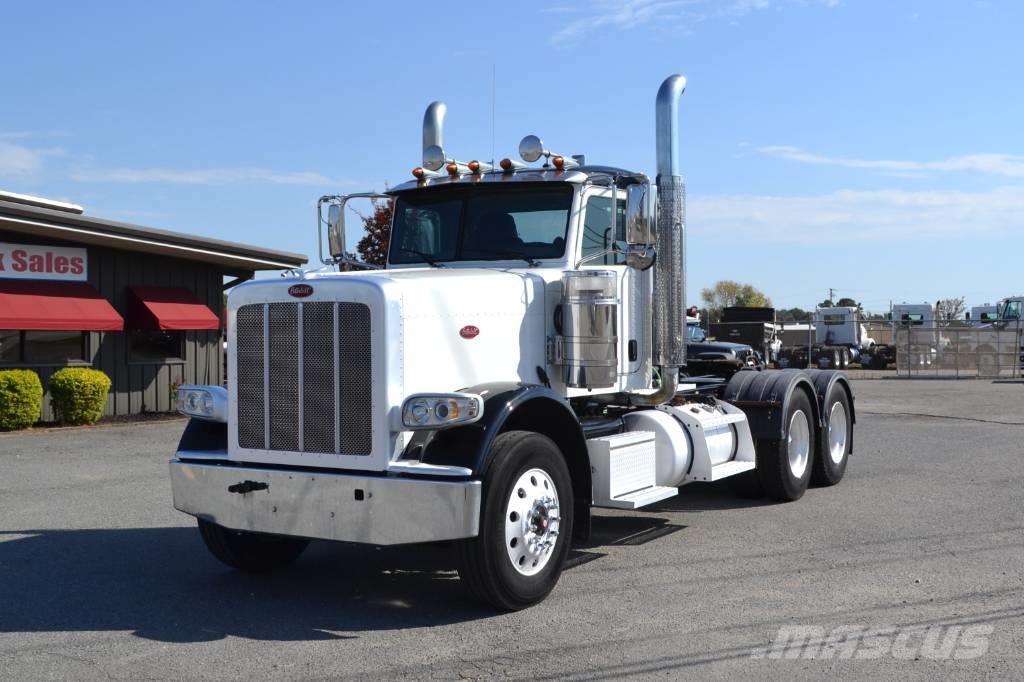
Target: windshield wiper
532 262
427 258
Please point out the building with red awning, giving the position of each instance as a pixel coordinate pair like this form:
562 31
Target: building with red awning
143 305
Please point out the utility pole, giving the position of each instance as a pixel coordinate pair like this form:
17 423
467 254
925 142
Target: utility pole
831 295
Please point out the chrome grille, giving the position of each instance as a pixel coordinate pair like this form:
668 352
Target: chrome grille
250 351
284 376
318 403
305 377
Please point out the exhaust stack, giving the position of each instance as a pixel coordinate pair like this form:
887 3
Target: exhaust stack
670 273
433 131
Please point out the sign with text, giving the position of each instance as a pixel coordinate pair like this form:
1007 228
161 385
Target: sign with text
33 261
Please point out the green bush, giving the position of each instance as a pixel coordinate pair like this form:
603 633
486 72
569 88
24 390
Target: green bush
21 398
78 394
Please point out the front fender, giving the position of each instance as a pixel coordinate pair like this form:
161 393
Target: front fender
507 407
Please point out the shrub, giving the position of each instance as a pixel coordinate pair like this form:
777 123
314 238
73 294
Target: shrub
78 394
21 398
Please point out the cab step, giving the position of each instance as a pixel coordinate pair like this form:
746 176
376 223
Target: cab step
640 498
723 470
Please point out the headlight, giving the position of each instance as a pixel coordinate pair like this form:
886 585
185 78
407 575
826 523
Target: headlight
437 410
203 402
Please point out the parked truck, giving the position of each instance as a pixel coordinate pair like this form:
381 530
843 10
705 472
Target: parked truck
501 375
754 326
840 338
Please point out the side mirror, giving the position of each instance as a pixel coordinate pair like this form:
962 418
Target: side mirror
639 217
336 230
433 158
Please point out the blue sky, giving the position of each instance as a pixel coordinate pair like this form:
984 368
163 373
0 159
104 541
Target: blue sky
874 147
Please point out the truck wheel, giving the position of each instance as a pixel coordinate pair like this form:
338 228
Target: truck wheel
830 462
844 358
525 523
250 552
784 465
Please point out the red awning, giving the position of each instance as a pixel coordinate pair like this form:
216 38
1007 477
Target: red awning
32 305
166 308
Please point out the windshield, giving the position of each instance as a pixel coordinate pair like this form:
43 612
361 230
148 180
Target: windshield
694 333
1010 310
476 223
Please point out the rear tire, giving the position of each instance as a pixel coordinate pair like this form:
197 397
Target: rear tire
784 465
836 440
525 524
250 552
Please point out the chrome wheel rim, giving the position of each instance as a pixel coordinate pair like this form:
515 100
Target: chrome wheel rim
798 442
532 520
837 432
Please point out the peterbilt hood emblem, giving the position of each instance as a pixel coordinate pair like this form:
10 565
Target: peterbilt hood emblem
300 290
469 332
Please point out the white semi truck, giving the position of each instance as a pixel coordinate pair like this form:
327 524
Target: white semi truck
519 359
839 339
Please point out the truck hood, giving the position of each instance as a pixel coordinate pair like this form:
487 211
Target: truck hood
458 327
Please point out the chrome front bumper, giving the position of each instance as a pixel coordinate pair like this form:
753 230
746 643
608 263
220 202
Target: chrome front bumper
344 507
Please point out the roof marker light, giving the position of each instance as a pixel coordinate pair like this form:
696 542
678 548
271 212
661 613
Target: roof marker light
508 165
562 163
421 173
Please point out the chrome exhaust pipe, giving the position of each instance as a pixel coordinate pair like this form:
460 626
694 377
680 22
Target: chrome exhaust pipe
670 272
433 128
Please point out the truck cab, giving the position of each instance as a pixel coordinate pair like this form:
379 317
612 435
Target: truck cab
518 358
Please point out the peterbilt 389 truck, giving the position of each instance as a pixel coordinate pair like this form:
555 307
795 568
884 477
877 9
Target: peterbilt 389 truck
519 359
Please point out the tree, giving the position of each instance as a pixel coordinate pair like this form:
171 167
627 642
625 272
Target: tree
792 315
373 247
951 308
847 303
728 293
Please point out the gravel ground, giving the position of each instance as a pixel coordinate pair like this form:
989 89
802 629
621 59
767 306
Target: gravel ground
101 578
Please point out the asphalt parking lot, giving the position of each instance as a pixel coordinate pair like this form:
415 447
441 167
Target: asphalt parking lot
101 578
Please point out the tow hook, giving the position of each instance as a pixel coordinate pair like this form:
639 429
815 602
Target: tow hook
247 487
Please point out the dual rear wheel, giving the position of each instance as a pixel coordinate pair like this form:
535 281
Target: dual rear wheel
787 465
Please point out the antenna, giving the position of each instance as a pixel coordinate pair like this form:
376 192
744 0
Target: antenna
494 87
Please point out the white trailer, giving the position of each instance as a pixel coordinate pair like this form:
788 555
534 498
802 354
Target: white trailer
503 372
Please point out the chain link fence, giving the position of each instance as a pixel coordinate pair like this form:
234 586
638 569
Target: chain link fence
951 349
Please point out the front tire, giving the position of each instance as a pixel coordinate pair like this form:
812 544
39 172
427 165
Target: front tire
525 524
784 464
250 552
836 441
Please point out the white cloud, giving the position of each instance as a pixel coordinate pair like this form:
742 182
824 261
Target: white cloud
629 14
206 176
30 134
857 216
16 160
994 164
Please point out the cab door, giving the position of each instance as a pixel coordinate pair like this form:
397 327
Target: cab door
602 246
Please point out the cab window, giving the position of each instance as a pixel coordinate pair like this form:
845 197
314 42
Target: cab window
597 230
